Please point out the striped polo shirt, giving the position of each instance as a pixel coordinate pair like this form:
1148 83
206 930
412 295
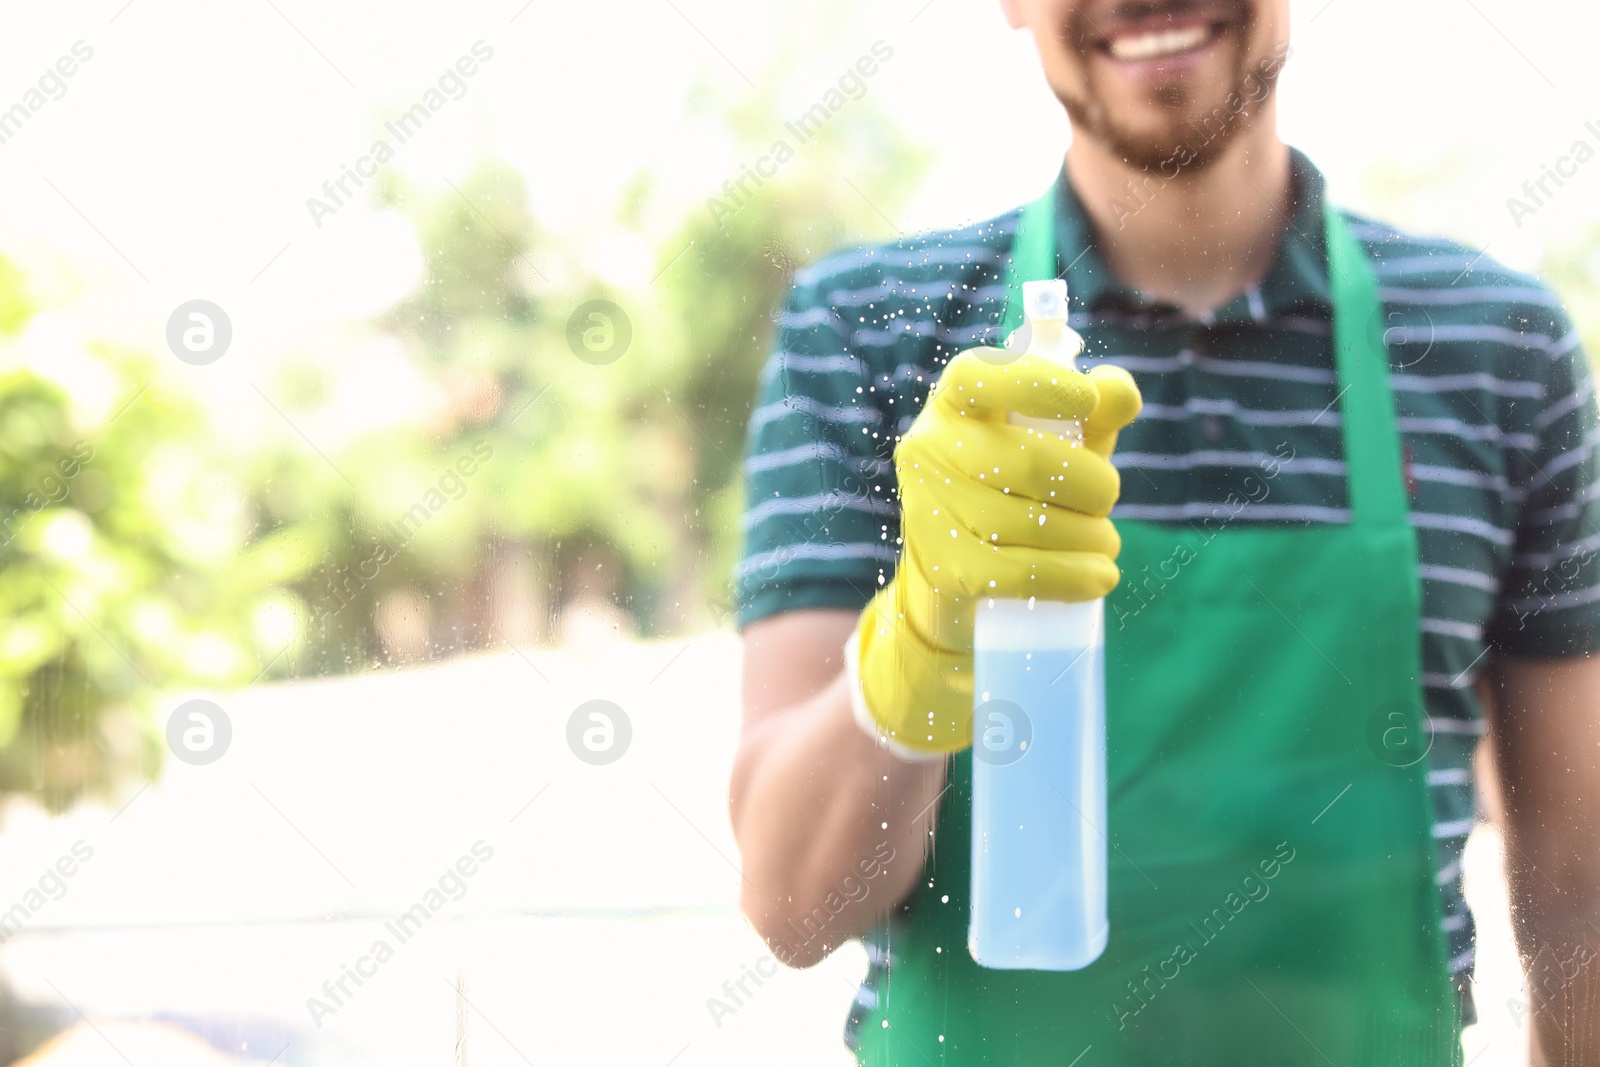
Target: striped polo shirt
1493 394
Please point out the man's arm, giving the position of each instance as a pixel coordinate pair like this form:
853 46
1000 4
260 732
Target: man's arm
816 803
1545 719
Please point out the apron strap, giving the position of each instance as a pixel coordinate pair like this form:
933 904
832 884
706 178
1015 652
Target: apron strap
1372 446
1366 403
1033 256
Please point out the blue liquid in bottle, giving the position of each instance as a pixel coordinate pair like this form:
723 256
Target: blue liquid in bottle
1039 786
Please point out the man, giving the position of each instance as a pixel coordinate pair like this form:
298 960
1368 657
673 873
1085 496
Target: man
1356 527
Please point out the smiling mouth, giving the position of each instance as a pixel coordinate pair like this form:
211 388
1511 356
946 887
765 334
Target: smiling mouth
1158 44
1160 41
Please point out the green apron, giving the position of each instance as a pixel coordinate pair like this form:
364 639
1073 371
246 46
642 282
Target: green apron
1271 885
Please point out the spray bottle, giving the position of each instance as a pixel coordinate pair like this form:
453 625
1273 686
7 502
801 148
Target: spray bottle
1039 755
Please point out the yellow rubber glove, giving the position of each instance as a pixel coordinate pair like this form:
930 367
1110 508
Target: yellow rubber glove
988 509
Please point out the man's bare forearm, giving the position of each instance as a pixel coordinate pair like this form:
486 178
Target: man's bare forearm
1560 949
1555 907
1546 734
832 827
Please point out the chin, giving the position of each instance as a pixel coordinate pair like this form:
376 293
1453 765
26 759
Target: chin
1161 82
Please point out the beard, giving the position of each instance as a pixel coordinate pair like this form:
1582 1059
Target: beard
1194 132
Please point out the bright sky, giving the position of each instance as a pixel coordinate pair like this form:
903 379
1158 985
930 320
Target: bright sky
178 161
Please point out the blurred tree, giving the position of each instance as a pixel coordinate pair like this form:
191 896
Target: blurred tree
1434 197
537 471
1573 266
124 568
1427 195
844 185
614 479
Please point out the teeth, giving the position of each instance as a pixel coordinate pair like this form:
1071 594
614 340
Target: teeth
1158 43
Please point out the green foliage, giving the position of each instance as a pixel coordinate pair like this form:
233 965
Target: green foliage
841 188
119 571
141 553
621 479
15 307
1573 267
1427 197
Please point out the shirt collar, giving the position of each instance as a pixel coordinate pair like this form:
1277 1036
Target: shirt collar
1296 281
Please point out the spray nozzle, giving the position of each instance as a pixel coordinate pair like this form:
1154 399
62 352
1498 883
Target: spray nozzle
1044 300
1044 328
1044 332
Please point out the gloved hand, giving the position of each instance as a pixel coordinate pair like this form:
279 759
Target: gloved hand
988 509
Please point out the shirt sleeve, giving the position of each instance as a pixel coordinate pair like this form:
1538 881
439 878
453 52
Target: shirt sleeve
820 526
1550 601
